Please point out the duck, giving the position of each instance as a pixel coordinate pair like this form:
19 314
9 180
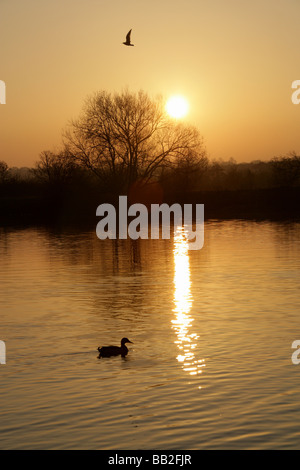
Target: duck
107 351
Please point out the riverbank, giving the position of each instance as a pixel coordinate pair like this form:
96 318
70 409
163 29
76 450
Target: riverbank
70 209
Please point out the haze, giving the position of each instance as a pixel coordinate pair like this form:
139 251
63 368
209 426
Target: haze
233 61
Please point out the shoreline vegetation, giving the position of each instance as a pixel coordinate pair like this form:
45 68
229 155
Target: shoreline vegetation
229 190
125 144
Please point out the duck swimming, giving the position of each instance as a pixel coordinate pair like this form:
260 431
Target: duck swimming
107 351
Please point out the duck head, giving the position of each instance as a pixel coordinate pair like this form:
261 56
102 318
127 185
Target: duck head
125 340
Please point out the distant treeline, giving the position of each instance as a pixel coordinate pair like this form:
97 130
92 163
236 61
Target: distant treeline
125 144
59 190
57 173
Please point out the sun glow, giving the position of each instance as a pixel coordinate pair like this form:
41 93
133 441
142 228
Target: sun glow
182 322
177 107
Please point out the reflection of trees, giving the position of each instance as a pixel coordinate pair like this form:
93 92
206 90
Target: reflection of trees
285 234
132 247
80 248
5 238
108 272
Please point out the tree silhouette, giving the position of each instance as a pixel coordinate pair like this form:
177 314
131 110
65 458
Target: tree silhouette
127 137
55 168
286 170
4 171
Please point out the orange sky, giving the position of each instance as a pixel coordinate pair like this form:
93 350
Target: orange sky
233 60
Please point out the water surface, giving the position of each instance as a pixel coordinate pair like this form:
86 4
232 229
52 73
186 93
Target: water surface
210 367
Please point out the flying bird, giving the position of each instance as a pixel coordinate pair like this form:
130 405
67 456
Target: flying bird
127 42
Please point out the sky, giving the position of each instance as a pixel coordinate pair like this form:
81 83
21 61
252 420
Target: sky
234 61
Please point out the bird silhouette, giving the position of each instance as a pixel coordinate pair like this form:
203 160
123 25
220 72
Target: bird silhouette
127 42
107 351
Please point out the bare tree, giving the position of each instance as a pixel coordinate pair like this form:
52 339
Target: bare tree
126 137
187 173
55 168
286 169
4 171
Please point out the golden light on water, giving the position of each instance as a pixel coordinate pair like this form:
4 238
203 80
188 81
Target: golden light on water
183 322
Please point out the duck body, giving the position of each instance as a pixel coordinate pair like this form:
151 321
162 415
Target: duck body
107 351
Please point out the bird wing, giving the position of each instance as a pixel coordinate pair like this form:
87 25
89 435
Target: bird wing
128 36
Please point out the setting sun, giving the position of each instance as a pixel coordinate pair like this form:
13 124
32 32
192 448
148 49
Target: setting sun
177 106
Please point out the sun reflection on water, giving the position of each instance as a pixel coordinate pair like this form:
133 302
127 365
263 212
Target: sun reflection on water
183 322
